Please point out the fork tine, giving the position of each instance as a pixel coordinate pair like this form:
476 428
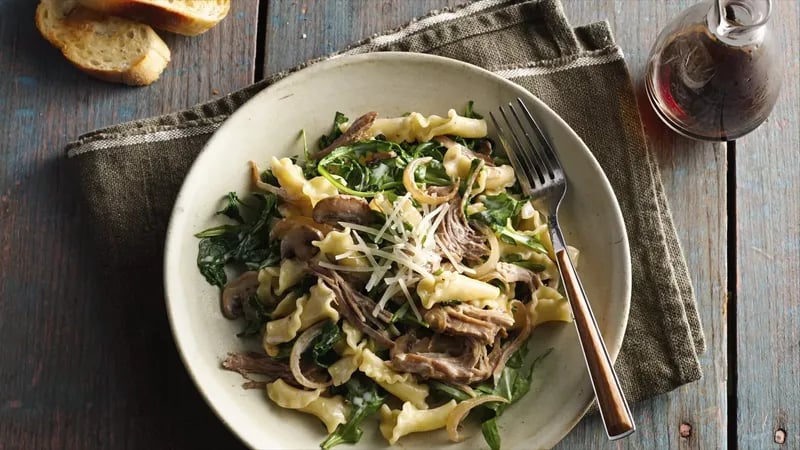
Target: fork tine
540 159
529 164
512 155
551 155
528 154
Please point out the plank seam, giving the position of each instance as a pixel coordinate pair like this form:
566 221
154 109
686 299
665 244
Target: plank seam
732 288
261 40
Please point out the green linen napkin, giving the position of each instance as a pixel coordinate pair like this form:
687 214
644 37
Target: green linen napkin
131 173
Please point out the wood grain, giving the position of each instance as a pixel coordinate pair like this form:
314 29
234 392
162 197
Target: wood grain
694 177
301 30
768 256
87 362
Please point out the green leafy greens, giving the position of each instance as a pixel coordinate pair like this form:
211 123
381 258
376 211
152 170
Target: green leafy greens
231 209
500 210
246 243
323 344
255 316
366 168
516 258
362 393
513 384
327 139
512 236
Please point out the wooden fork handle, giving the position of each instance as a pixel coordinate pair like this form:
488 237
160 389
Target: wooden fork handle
610 398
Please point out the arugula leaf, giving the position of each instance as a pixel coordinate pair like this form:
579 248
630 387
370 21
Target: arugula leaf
403 315
516 258
365 400
502 160
309 163
500 209
255 316
449 391
534 267
518 358
326 140
514 383
219 231
353 170
475 164
491 434
432 173
323 344
305 284
400 313
231 209
268 177
469 112
511 236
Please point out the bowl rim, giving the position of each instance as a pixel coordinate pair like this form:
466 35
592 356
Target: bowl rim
172 247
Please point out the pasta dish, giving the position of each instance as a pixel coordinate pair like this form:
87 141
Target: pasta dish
395 271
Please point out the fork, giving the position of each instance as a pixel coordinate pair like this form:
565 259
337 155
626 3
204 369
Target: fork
543 179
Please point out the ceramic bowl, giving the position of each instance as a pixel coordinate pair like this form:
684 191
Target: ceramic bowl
392 84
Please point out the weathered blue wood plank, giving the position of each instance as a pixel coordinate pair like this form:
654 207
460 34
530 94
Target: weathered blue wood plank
299 31
82 366
694 176
768 256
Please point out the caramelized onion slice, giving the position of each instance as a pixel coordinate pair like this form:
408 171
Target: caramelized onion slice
298 348
255 176
418 194
462 409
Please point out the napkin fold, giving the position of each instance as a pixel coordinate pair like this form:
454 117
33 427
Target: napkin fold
130 174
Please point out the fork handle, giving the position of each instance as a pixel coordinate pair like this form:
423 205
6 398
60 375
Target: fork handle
611 402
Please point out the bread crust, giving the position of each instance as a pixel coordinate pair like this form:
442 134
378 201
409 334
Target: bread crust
159 16
72 31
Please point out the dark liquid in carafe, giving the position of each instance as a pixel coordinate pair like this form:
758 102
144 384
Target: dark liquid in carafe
712 90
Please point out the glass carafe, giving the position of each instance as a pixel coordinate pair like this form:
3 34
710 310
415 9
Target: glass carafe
714 72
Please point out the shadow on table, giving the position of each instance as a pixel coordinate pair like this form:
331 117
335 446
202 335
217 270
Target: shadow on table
110 373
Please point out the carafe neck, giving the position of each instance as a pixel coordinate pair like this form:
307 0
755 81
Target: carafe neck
739 22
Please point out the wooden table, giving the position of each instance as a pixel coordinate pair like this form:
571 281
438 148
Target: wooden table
88 365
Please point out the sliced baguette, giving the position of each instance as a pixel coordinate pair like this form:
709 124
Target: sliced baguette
108 48
187 17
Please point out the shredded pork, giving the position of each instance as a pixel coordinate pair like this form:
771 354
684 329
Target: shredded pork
356 307
466 320
451 359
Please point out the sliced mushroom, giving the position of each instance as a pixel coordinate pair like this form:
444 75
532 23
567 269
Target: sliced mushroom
297 243
236 292
343 208
484 147
284 225
358 131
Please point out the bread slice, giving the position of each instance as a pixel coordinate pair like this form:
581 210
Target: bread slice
188 17
106 47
